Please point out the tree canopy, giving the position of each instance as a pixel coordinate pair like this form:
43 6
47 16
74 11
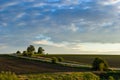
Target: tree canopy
40 50
18 52
31 49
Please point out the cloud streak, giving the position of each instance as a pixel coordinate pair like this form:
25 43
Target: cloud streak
64 21
44 40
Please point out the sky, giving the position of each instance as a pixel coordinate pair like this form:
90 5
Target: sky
60 26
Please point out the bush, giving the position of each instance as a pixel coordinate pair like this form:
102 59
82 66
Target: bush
18 53
110 78
90 76
27 54
100 64
54 60
60 59
65 76
24 53
8 76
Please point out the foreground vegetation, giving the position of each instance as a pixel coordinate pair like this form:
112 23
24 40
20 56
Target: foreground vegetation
60 76
64 76
8 76
49 76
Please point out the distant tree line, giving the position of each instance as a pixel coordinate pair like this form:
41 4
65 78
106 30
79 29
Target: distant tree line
30 51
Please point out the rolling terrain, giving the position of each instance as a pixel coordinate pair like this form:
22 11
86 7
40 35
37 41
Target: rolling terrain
25 66
113 60
34 68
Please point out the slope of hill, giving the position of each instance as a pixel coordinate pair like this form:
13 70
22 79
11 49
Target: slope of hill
23 66
113 60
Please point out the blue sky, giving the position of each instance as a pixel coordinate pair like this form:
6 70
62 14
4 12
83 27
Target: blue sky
60 26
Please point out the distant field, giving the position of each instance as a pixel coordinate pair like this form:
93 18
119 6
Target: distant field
24 66
113 60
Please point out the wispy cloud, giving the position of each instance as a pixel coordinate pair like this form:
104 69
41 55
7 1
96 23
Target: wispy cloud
63 21
8 4
98 47
109 2
20 15
39 4
73 27
44 40
2 46
50 43
78 46
28 0
82 47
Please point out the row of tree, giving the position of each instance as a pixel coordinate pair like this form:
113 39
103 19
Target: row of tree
30 51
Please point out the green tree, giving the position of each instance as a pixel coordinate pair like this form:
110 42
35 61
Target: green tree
24 53
18 52
28 54
40 50
31 49
99 64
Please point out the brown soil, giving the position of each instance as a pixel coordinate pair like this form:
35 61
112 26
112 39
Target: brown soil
23 66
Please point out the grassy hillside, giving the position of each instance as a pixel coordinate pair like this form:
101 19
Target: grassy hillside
23 66
113 60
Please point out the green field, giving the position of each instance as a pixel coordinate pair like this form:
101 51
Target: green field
113 60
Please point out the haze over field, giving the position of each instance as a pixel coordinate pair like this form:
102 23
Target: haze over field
60 26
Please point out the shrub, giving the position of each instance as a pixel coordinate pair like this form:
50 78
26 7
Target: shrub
28 54
54 60
8 76
90 76
99 64
110 78
60 59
